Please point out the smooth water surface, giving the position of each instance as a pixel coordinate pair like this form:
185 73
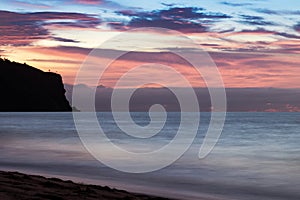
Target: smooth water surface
257 156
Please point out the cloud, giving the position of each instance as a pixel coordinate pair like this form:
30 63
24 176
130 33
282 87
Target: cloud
276 12
269 63
21 29
262 31
235 4
64 39
168 4
287 35
230 56
90 2
186 20
266 11
255 20
210 44
8 17
163 56
260 68
60 61
265 50
2 53
255 31
68 49
297 27
227 30
30 4
104 4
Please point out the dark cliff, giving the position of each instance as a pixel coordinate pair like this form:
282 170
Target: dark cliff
25 88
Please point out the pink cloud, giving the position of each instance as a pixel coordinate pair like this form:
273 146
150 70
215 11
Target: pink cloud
90 2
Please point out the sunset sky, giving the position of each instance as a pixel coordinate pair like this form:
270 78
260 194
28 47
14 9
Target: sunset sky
254 43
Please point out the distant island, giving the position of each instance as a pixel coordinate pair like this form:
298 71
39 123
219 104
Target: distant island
27 89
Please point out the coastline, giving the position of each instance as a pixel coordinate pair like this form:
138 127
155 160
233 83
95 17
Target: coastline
15 185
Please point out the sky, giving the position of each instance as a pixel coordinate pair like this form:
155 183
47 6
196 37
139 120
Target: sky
254 43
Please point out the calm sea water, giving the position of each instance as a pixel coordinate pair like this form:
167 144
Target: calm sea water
257 156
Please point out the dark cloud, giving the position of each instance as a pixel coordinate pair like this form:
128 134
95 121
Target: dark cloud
297 27
168 4
249 17
297 12
283 51
235 4
269 63
255 20
288 12
264 31
187 20
265 50
21 29
287 35
257 31
276 12
76 24
232 56
266 11
222 64
227 30
262 50
72 49
55 61
8 18
2 53
64 39
210 45
288 45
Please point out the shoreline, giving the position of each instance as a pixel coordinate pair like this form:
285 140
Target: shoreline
17 186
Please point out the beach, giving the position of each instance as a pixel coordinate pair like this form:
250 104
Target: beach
18 186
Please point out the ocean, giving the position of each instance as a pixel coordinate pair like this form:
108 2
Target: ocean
256 157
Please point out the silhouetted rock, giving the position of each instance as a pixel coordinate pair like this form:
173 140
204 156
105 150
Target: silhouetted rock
25 88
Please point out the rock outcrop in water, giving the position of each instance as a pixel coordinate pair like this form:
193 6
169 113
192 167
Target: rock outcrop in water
25 88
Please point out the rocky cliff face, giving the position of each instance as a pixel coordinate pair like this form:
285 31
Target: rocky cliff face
25 88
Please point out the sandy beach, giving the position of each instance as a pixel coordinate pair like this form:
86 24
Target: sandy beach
19 186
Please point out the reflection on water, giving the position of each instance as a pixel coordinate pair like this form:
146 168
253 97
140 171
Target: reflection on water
257 156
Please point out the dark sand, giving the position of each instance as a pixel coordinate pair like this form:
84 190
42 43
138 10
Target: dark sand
18 186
